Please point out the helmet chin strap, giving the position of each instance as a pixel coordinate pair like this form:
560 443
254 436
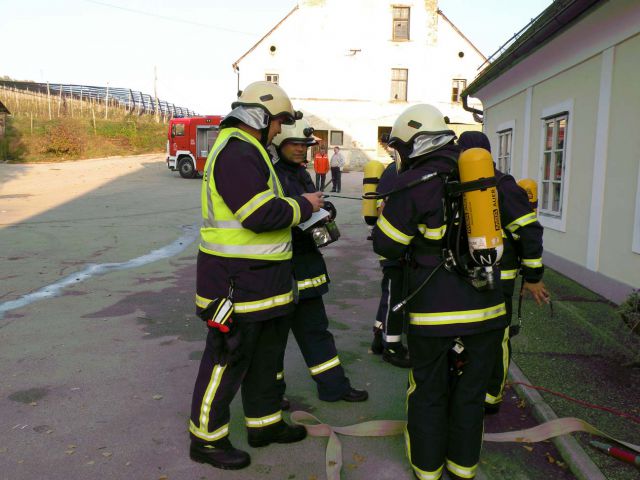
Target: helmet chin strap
264 134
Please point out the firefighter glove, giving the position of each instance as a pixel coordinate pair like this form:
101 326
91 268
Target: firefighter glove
225 347
224 335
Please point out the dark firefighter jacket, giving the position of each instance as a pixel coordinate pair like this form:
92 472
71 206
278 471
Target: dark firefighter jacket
386 184
309 268
245 211
522 234
413 220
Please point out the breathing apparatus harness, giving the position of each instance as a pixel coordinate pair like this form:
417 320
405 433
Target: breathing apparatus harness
478 273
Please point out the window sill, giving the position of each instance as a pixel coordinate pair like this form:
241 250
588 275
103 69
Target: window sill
553 222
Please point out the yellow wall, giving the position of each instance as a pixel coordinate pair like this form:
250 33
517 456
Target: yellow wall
511 109
616 257
582 85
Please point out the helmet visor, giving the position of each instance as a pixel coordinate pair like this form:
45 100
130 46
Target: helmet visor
287 118
254 117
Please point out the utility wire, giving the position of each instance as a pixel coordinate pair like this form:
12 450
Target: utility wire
170 19
593 406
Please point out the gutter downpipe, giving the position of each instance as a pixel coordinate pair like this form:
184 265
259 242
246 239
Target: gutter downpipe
478 115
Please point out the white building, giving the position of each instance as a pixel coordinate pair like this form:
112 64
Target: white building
352 66
562 106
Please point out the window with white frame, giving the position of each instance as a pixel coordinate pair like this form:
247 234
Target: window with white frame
399 79
400 23
457 87
553 164
272 77
503 158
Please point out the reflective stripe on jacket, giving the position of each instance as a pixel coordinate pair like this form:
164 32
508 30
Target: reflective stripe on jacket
222 232
413 219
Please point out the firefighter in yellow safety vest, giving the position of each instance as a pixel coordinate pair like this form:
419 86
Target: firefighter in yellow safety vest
244 279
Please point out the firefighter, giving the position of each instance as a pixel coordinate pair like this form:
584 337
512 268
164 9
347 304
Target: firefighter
387 331
244 279
309 322
522 234
454 329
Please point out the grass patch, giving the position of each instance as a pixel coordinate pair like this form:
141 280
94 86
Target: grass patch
37 140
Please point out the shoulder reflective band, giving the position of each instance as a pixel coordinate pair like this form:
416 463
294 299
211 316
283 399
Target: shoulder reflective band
392 232
522 221
252 205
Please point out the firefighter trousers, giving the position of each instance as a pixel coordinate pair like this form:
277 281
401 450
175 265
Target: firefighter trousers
216 385
495 389
445 414
391 323
310 327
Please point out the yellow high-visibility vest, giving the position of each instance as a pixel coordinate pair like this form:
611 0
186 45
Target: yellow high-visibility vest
222 232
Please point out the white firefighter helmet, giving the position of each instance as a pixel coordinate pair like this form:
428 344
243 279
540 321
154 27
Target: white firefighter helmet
418 120
418 130
300 132
269 97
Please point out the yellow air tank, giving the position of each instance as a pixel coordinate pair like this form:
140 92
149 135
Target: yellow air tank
531 187
481 211
372 173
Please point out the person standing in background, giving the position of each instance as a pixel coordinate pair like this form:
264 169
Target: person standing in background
309 322
337 162
321 167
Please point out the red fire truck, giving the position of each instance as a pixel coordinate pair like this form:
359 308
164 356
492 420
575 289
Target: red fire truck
189 141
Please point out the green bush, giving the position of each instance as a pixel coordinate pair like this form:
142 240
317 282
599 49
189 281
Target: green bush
61 140
12 147
630 311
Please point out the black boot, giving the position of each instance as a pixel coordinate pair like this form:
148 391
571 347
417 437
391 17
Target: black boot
376 345
353 395
397 354
219 454
280 432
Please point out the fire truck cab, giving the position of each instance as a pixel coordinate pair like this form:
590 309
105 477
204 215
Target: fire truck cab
189 141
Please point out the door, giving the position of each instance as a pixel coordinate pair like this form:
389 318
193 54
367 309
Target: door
323 136
205 138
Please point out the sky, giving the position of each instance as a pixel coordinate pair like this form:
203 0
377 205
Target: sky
191 44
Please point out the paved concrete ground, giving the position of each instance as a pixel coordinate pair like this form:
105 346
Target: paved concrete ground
96 373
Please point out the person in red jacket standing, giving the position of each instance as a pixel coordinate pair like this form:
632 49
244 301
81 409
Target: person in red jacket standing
321 167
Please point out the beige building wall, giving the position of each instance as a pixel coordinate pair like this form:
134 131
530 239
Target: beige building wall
508 114
591 70
578 86
617 258
335 59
